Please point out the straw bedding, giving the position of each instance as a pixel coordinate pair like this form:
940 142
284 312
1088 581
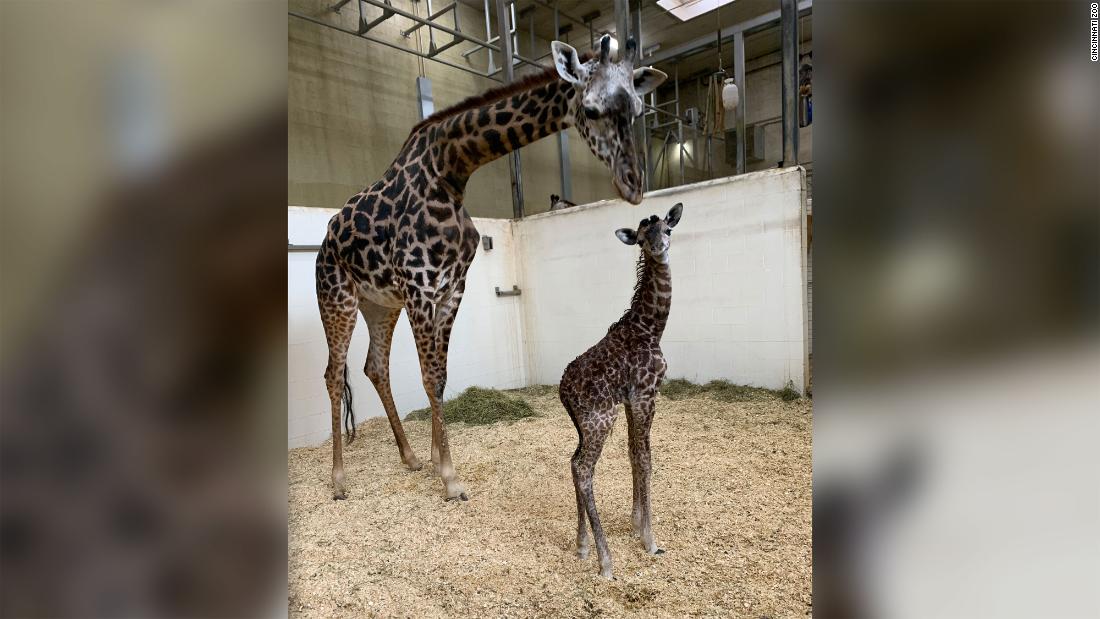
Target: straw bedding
731 505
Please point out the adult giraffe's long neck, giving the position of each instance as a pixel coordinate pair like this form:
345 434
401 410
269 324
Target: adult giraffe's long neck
465 141
652 297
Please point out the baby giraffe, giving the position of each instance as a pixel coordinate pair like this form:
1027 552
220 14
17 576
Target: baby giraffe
625 366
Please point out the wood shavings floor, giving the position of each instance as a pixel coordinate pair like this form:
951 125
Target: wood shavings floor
731 504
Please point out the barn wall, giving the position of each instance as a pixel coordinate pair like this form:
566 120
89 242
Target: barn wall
739 298
485 346
738 280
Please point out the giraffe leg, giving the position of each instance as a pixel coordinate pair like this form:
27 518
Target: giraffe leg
635 474
337 306
582 522
640 459
381 321
432 368
584 471
446 312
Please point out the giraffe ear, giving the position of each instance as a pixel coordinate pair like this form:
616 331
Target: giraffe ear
567 62
646 79
628 236
673 216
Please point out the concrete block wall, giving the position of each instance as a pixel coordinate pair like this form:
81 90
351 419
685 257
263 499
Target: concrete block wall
739 298
739 294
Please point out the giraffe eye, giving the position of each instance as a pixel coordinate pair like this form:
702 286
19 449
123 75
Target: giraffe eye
591 113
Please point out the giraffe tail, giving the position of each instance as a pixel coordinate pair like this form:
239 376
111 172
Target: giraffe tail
349 414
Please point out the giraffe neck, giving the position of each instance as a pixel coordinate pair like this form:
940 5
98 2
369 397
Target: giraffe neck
468 140
652 297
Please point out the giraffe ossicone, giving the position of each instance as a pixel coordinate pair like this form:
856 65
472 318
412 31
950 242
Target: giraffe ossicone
627 367
407 241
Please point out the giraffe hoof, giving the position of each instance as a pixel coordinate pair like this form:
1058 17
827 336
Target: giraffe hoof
659 551
416 465
339 496
461 496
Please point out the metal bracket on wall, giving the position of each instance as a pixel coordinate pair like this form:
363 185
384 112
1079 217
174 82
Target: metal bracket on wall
515 292
293 247
487 242
366 26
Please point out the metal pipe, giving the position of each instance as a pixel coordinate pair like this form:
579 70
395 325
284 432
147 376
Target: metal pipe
513 157
739 113
488 32
430 17
514 29
388 44
789 34
679 122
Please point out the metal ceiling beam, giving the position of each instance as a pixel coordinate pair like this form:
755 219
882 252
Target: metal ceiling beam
388 44
420 20
746 27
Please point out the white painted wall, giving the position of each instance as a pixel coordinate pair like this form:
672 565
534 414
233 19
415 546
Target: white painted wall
738 283
738 313
486 345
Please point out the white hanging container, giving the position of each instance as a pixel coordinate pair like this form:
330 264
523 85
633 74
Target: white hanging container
729 94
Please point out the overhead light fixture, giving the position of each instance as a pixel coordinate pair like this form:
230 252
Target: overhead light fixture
689 9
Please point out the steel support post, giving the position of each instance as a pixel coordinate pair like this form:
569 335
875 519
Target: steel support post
739 113
563 135
622 24
788 26
506 67
637 30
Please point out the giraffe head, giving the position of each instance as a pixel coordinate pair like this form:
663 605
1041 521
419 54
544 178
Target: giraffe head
606 100
653 234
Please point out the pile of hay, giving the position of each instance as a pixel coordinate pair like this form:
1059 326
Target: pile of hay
725 391
731 495
478 407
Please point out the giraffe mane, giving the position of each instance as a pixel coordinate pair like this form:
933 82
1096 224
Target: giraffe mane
538 78
641 273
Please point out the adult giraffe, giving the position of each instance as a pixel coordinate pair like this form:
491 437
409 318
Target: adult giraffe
407 241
